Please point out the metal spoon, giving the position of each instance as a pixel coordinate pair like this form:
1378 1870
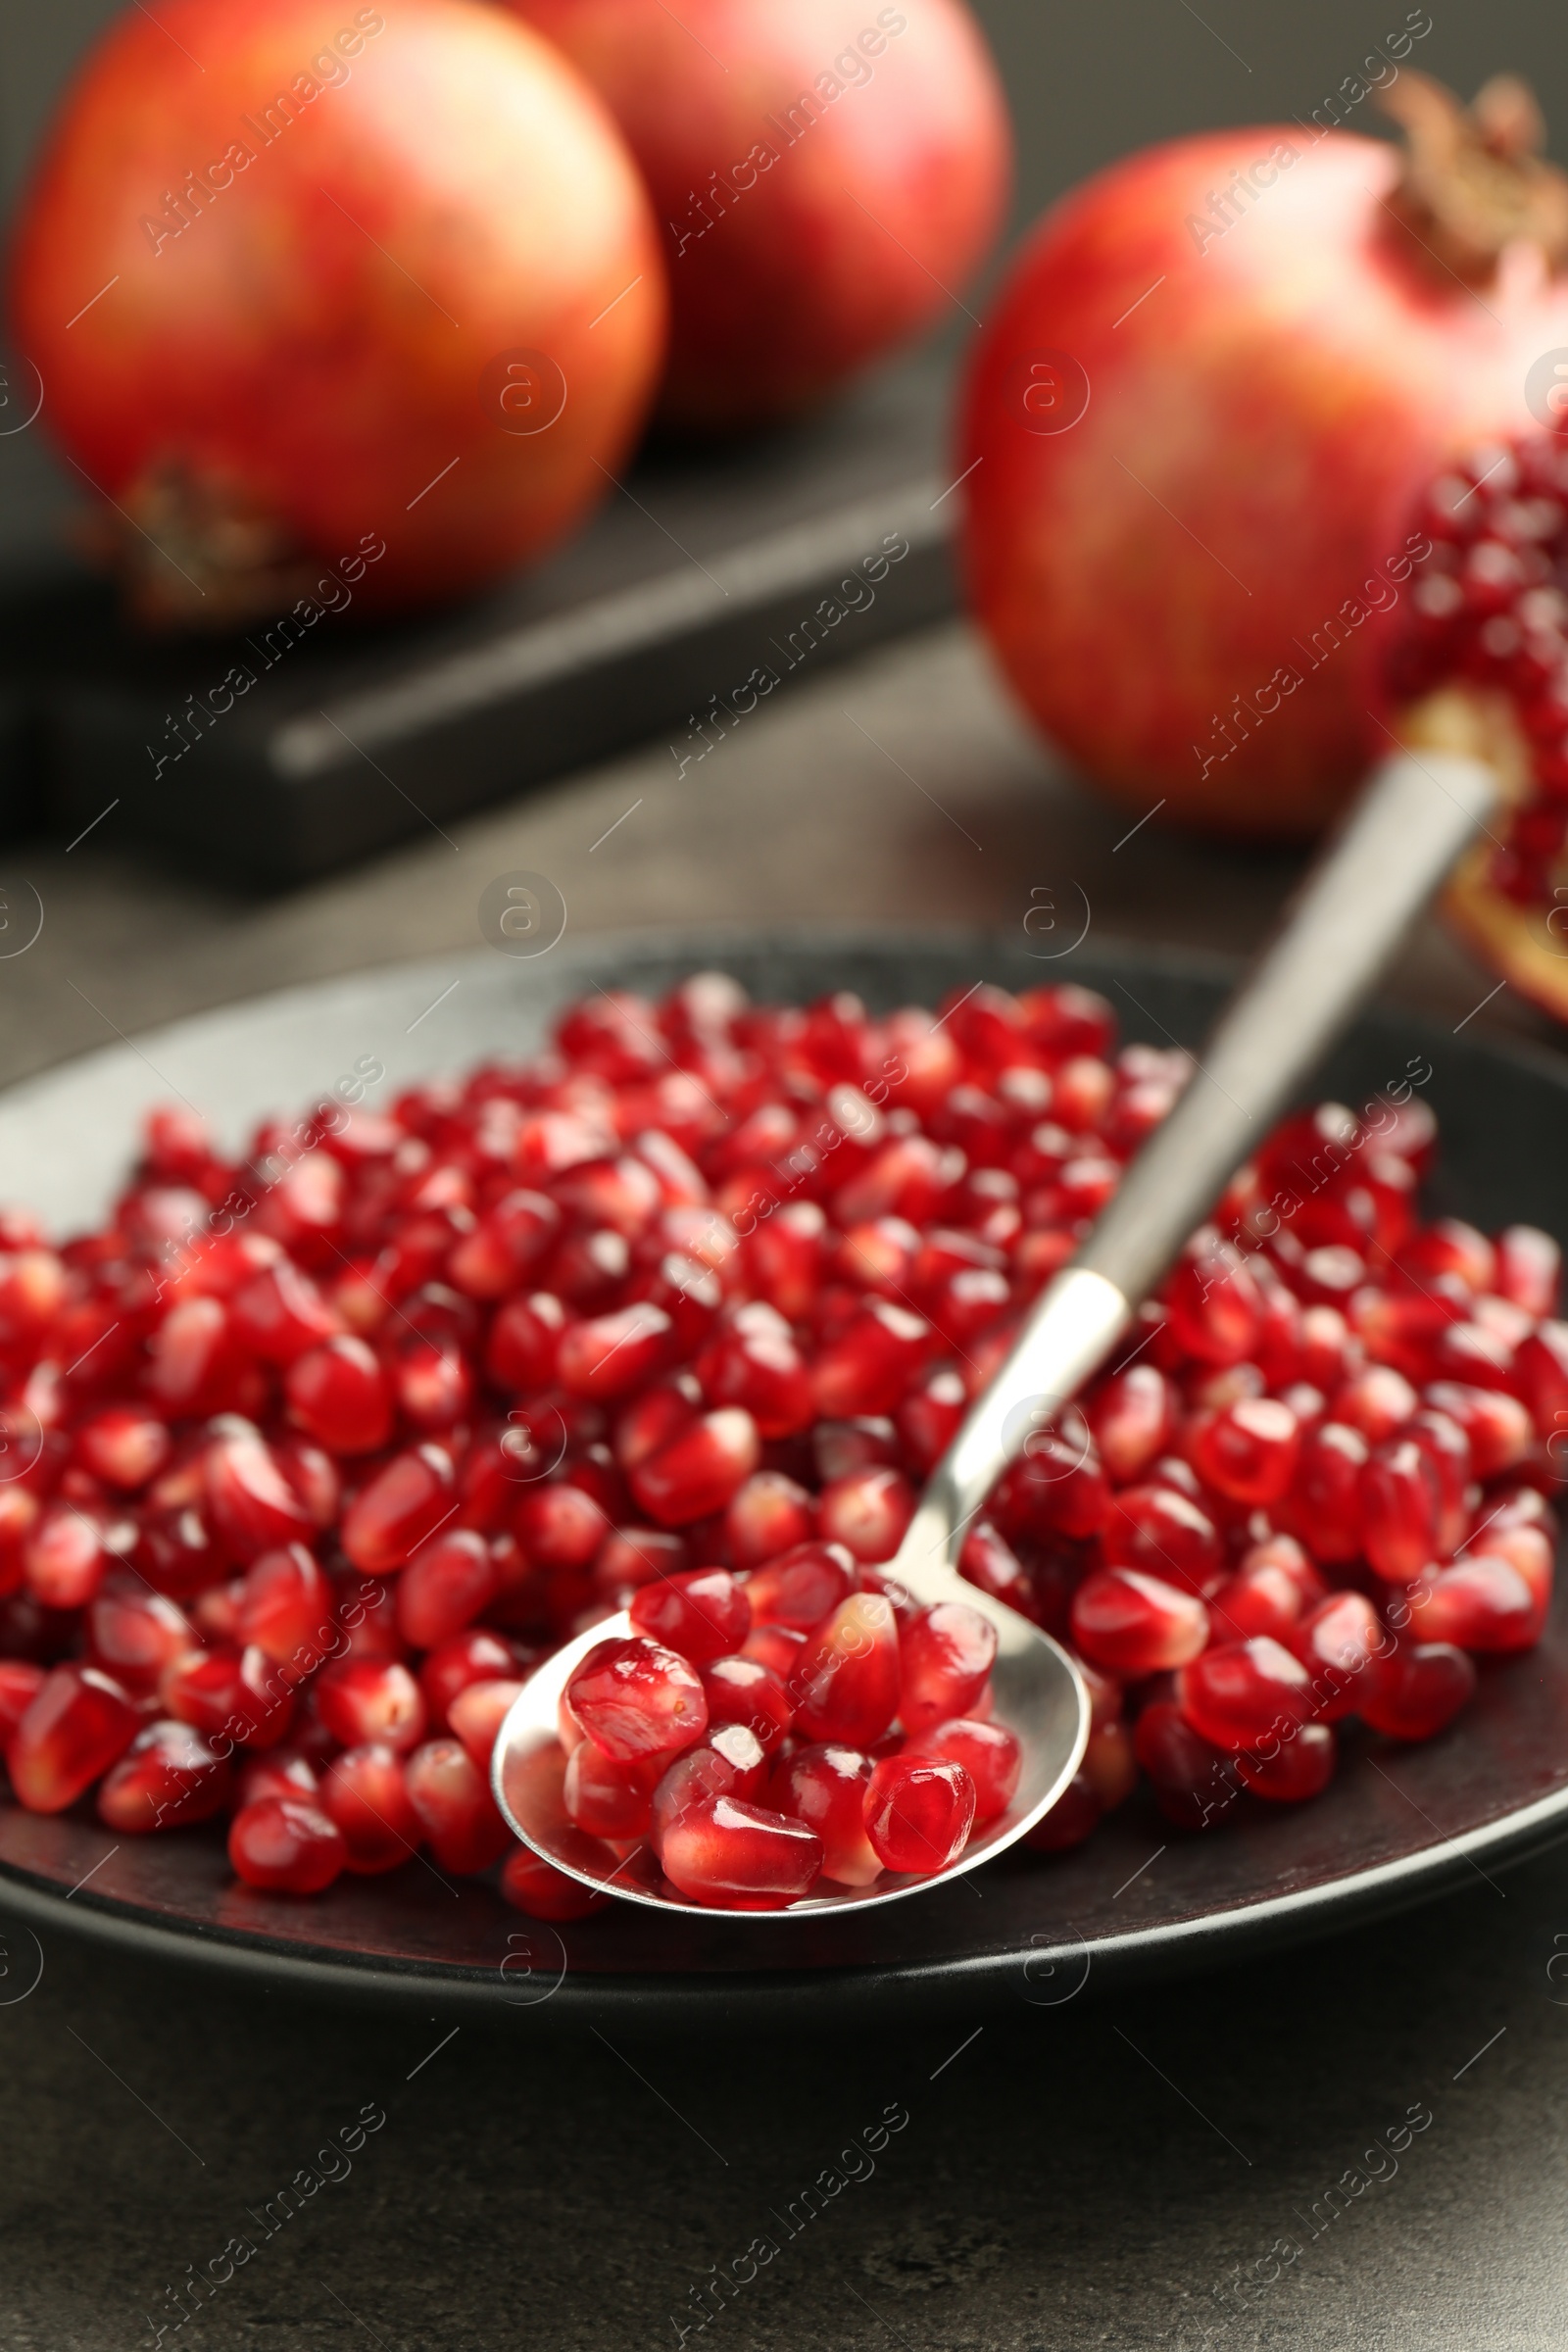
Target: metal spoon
1410 824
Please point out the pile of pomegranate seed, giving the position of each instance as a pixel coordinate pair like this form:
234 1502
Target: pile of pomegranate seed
1488 607
307 1460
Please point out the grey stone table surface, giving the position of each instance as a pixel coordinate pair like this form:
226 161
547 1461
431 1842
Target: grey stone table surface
1360 2144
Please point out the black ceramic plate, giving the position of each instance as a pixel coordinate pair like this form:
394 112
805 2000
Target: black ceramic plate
1397 1824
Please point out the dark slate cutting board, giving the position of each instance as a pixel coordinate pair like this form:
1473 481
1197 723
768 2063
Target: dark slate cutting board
709 578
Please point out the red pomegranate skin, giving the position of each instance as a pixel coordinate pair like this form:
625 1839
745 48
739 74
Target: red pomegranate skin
826 173
1180 585
314 338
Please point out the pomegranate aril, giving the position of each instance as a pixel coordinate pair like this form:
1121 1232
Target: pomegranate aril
946 1654
477 1713
1529 1269
988 1751
1301 1765
731 1760
233 1694
1480 1603
607 1798
363 1793
800 1588
452 1802
285 1605
78 1724
286 1846
1110 1765
1074 1816
476 1656
1136 1624
1418 1688
65 1558
1399 1507
249 1504
770 1515
445 1586
20 1682
867 1512
846 1686
400 1510
1133 1418
740 1690
368 1700
124 1445
1238 1694
1340 1642
704 1614
825 1788
1194 1781
534 1887
740 1857
637 1699
1324 1505
697 1471
168 1778
1162 1532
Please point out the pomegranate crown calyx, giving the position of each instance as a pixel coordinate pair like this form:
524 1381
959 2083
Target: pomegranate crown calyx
1475 181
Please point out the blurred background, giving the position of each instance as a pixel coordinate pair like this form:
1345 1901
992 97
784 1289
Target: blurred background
898 784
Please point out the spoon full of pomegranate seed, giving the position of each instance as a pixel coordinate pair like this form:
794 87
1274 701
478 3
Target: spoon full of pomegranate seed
664 1744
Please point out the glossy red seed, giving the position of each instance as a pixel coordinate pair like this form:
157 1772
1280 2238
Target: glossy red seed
607 1798
846 1685
1194 1781
1529 1269
1162 1532
249 1504
1133 1418
697 1471
79 1723
399 1510
802 1587
731 1760
1324 1504
988 1751
1400 1510
363 1700
364 1793
1482 1603
452 1802
477 1713
476 1656
919 1811
65 1558
1497 1426
770 1515
1339 1642
703 1613
637 1699
230 1694
285 1605
20 1682
867 1511
946 1654
741 1857
1300 1767
168 1778
534 1887
124 1446
1136 1624
286 1846
444 1586
825 1788
741 1690
1246 1451
339 1395
1418 1688
1240 1693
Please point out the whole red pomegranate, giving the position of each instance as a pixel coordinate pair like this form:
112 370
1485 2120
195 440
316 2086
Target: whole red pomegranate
333 303
826 176
1197 418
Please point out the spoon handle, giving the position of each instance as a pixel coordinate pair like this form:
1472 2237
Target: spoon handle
1408 828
